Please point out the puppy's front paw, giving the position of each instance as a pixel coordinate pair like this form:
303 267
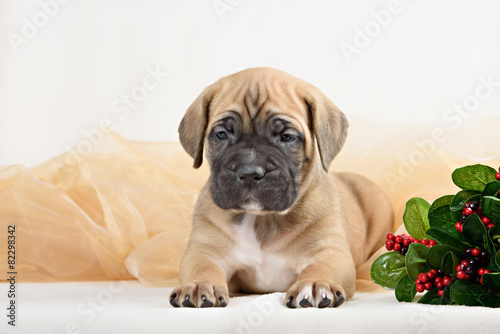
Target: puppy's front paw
203 294
314 294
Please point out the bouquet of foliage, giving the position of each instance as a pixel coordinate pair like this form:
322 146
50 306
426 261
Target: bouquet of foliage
452 251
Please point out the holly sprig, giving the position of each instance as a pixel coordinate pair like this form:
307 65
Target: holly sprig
452 252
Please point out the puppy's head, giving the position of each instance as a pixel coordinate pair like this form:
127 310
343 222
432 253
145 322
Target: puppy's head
263 130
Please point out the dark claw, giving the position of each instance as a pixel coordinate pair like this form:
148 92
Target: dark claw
222 302
305 303
289 303
340 299
187 302
206 302
172 300
324 302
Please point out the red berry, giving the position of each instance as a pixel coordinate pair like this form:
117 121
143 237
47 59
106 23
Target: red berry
404 235
389 245
497 176
398 239
489 226
486 271
479 211
480 272
425 241
467 276
397 247
431 275
461 230
446 280
467 211
390 236
475 251
464 263
458 225
460 274
417 281
439 285
423 278
438 279
432 242
459 267
485 220
481 280
428 286
406 242
440 293
420 287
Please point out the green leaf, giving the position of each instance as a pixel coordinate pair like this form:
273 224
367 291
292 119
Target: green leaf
474 231
405 290
497 258
492 281
431 297
446 239
491 208
444 219
416 260
494 233
462 197
436 254
441 201
446 299
415 217
473 177
388 269
491 189
467 293
490 301
449 263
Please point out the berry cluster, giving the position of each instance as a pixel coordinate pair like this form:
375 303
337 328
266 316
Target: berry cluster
497 175
472 267
400 243
434 278
470 208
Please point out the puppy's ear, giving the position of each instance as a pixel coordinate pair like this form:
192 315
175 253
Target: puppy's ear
194 125
329 124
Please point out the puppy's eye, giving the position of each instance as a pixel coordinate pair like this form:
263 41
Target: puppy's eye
287 138
222 135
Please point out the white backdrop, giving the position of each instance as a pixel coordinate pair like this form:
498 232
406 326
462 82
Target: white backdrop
67 68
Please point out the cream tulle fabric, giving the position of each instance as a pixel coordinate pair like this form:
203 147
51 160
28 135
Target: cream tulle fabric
124 210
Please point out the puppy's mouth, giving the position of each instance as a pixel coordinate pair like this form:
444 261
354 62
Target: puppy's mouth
275 195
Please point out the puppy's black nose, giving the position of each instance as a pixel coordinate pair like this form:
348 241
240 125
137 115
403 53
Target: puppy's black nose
250 174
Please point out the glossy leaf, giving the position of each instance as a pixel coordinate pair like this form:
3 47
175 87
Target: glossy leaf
436 254
467 293
449 263
416 260
490 301
492 281
491 189
405 289
474 231
388 269
446 239
491 208
463 197
415 217
473 177
441 201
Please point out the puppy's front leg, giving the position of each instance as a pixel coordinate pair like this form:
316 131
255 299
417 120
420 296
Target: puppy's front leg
325 283
203 283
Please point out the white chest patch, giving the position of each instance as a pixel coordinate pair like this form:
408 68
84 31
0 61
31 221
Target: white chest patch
273 272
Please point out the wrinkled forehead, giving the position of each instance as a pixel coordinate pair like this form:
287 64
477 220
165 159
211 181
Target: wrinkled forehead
256 102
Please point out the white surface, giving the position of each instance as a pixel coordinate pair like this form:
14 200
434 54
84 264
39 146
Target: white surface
127 307
73 71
